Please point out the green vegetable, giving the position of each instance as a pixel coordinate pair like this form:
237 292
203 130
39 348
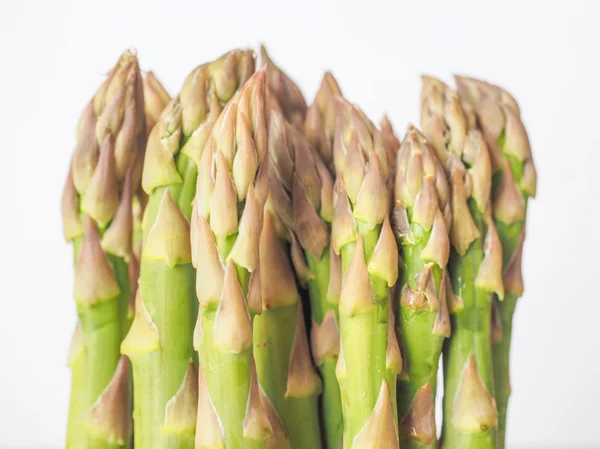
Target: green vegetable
475 269
226 231
369 360
97 217
421 221
159 344
514 183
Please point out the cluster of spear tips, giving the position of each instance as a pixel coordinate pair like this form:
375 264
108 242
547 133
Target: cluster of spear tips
253 272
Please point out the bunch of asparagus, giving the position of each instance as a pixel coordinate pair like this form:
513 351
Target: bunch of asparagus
288 276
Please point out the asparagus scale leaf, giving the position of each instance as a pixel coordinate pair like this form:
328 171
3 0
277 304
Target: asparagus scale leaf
321 119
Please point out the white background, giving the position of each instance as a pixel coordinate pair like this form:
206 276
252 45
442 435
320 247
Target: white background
54 54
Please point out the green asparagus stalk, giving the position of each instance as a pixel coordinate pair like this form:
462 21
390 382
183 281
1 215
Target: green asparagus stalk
421 218
226 236
283 92
281 347
475 267
159 343
301 187
514 183
369 360
97 217
312 217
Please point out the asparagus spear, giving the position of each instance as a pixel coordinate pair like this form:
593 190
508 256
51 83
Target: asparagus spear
369 360
226 229
96 209
312 210
299 408
159 343
288 96
514 183
421 220
475 266
301 188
